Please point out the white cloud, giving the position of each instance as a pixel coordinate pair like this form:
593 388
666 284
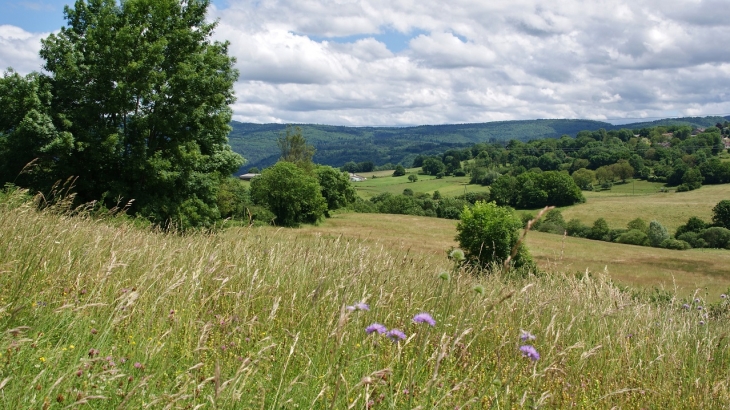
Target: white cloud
19 49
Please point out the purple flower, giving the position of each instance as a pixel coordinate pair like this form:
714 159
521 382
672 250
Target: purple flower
424 318
525 336
376 327
358 306
697 300
396 335
137 365
529 351
686 306
699 307
702 322
724 296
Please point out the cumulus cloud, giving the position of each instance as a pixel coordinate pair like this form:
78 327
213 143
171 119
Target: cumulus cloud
19 49
403 62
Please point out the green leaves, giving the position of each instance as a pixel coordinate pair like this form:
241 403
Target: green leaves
135 105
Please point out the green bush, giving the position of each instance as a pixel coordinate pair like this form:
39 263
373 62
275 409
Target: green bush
599 231
716 237
693 238
399 171
487 233
293 195
633 237
675 244
657 234
638 224
576 228
721 214
694 224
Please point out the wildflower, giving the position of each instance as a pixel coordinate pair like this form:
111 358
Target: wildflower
79 373
697 300
359 306
529 351
138 365
376 327
724 296
396 335
42 359
424 317
525 336
93 352
71 347
702 322
699 307
94 331
686 306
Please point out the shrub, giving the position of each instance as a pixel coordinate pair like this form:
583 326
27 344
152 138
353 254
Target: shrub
450 208
716 237
408 192
555 217
440 175
294 196
551 227
576 228
657 234
675 244
694 224
721 214
638 224
400 204
365 207
459 172
487 233
413 178
399 171
693 238
600 230
633 237
613 234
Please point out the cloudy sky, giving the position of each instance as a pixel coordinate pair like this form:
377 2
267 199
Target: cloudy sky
407 62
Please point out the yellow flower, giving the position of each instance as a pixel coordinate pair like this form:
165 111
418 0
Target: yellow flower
42 359
71 347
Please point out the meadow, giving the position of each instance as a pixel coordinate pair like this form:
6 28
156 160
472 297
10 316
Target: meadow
103 314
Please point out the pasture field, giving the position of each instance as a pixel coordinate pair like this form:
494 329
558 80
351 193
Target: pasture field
671 209
102 314
694 270
385 182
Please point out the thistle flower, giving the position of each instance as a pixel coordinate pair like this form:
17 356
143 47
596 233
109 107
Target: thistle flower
685 306
478 289
376 327
396 335
723 296
525 335
699 307
424 317
445 276
457 255
697 300
529 351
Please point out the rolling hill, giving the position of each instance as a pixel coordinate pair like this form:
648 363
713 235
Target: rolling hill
339 144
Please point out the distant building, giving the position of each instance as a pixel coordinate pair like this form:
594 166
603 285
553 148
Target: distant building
357 178
248 177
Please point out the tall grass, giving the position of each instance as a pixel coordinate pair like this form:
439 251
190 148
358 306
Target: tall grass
112 316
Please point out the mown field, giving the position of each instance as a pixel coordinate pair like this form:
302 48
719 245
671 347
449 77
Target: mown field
101 314
384 181
695 270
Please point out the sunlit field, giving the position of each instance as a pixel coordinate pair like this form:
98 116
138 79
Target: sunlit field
99 313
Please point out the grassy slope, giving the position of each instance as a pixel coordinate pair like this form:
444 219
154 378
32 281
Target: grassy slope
671 208
385 182
254 318
697 269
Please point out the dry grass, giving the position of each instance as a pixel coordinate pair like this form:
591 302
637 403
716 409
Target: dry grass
630 265
671 208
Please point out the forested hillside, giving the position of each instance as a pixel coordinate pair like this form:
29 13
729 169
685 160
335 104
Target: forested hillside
337 145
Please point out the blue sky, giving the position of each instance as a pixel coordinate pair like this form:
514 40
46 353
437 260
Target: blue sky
406 62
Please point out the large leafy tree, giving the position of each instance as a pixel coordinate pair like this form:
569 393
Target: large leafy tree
139 107
291 193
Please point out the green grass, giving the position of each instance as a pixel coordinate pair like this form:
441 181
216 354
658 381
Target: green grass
385 182
669 208
110 316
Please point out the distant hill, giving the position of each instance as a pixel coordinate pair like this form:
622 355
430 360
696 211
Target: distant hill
338 144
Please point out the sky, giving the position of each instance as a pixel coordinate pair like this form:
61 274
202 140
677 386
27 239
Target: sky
411 62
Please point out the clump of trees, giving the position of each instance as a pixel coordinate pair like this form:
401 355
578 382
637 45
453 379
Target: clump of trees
133 103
